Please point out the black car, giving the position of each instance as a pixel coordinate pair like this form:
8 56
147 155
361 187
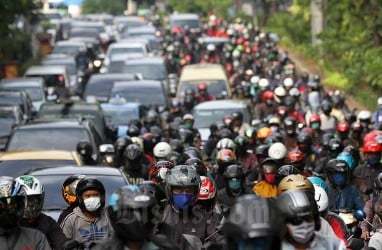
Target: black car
20 98
52 179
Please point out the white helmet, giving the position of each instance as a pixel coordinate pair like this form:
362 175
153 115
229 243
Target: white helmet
288 82
211 47
226 143
280 91
255 79
294 92
161 150
235 54
35 195
263 83
379 101
364 115
321 198
277 151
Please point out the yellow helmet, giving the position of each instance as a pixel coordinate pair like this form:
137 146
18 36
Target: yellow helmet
294 182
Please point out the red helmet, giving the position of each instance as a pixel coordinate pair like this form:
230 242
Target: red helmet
371 136
343 126
225 155
282 111
314 118
268 95
207 189
294 156
202 86
372 147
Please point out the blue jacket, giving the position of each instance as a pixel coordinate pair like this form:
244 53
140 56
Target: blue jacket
347 198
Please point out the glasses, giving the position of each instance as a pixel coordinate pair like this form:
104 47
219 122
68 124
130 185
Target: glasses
183 190
298 220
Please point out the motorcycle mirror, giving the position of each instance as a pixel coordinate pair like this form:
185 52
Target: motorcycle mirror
359 215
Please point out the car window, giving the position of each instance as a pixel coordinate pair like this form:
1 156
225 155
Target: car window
192 23
119 116
19 167
6 123
147 95
126 50
204 118
148 71
215 88
47 138
52 185
68 50
35 93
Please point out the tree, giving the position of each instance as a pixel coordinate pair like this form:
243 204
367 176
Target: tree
114 7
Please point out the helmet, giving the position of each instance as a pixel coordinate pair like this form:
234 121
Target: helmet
295 157
84 148
202 87
69 186
149 141
130 212
314 119
321 198
264 84
121 143
335 145
297 203
372 147
379 101
192 152
343 127
177 145
285 170
304 137
226 143
251 132
226 133
225 155
326 106
198 165
262 150
35 195
12 200
188 117
161 150
186 136
182 176
175 157
237 115
371 136
280 93
262 220
348 158
274 121
277 151
241 141
138 141
155 190
234 171
86 184
133 130
211 47
294 181
326 137
207 189
317 181
364 116
290 125
133 152
263 133
267 95
289 101
288 83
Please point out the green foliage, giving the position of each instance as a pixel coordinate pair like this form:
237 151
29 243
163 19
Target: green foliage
202 7
114 7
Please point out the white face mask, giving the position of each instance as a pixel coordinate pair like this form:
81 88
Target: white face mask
92 204
162 173
301 233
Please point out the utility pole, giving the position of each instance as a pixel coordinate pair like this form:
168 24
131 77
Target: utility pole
317 21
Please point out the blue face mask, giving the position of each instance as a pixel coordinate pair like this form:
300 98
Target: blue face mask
183 201
234 184
339 179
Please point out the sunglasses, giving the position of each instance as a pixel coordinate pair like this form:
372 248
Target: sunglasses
298 220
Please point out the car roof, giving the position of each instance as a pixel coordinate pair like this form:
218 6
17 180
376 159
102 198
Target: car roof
127 44
70 170
70 123
181 16
202 71
111 76
143 83
38 155
123 104
22 81
45 69
71 106
70 43
145 60
220 104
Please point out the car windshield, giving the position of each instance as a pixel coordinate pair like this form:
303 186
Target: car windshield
148 71
204 118
126 50
118 116
34 93
52 186
19 167
214 87
147 95
47 138
192 23
10 99
68 50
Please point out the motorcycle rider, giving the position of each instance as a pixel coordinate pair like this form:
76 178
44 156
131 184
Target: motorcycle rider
266 186
136 166
33 218
203 94
377 115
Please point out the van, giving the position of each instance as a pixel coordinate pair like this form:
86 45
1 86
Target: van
211 74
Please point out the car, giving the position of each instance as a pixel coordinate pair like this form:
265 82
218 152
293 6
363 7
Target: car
68 47
10 118
139 31
125 22
21 99
147 92
16 163
206 113
34 86
118 113
182 20
153 43
76 110
56 77
53 178
59 135
99 85
211 74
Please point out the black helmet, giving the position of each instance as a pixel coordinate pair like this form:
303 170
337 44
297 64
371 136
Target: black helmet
86 184
133 152
234 171
237 115
290 101
298 203
155 190
304 137
241 141
149 141
177 145
175 157
198 165
121 143
151 118
186 136
337 165
135 122
326 137
12 198
326 106
133 131
131 212
290 125
84 148
335 146
192 152
253 217
226 133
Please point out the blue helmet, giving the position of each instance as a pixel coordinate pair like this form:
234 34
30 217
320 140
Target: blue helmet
319 182
348 158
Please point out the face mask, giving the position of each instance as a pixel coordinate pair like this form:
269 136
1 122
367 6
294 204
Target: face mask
162 173
373 160
188 125
234 184
302 233
270 178
183 201
92 204
339 179
315 126
274 128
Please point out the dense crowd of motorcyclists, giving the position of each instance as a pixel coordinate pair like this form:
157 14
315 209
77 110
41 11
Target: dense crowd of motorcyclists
297 176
